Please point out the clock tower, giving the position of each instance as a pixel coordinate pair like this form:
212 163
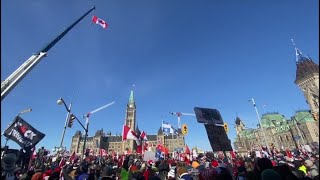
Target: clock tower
307 78
130 121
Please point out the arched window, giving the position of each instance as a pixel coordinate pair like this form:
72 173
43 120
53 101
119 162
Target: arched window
280 138
316 133
303 135
286 137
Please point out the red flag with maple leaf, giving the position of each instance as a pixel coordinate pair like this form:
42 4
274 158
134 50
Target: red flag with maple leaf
187 150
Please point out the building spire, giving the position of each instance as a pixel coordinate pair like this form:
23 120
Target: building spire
299 55
131 98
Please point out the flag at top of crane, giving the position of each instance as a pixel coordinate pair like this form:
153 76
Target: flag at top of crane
99 21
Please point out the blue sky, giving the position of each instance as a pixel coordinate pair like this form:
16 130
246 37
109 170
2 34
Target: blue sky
179 54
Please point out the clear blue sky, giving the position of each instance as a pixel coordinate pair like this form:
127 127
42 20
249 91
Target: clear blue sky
179 54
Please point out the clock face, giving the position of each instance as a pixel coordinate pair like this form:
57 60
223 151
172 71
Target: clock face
131 105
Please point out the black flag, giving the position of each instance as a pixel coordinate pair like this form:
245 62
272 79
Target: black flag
23 133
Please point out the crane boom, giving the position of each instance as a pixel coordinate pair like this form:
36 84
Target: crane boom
179 114
99 109
8 84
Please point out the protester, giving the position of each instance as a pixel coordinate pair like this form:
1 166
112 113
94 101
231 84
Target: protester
8 164
312 169
133 167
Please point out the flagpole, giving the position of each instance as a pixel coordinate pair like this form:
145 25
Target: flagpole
258 116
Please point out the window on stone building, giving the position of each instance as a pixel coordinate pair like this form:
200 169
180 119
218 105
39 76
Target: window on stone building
316 133
280 138
286 137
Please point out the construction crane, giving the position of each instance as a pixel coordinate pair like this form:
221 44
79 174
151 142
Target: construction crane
86 116
179 114
8 84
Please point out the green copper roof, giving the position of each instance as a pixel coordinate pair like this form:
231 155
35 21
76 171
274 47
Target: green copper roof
131 100
303 116
272 120
247 134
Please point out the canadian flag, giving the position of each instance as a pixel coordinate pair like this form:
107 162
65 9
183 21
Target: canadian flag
72 157
91 152
99 21
62 162
34 153
187 150
143 136
127 133
103 152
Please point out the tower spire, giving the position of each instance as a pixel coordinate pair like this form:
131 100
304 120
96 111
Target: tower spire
299 55
131 98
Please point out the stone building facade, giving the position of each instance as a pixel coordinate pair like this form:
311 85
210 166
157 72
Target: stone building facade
114 143
307 79
280 133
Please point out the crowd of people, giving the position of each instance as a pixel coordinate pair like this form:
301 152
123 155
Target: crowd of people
133 167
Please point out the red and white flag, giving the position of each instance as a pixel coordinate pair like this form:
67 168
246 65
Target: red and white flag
91 153
187 150
72 157
143 136
99 21
103 152
62 162
127 133
34 153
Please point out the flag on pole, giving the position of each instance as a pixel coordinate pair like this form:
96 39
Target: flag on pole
143 136
127 133
23 133
167 128
103 152
99 21
34 153
62 162
72 157
187 150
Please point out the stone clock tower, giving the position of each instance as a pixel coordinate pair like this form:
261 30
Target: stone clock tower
307 78
130 121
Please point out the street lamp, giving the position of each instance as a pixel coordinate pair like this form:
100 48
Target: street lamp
60 102
264 135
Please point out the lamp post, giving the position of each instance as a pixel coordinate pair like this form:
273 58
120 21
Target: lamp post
258 116
60 102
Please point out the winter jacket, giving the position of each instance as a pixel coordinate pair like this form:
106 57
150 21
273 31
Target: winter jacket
186 176
313 171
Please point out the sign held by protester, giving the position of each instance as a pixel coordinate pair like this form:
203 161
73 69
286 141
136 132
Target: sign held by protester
23 133
208 116
213 123
218 138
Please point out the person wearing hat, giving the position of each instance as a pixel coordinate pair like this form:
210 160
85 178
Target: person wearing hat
183 174
312 169
8 164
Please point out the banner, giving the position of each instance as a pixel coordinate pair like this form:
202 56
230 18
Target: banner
23 133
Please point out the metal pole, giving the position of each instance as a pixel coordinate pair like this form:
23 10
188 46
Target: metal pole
295 123
85 136
264 135
65 123
8 84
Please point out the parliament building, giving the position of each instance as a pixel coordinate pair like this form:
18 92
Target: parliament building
114 143
280 132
